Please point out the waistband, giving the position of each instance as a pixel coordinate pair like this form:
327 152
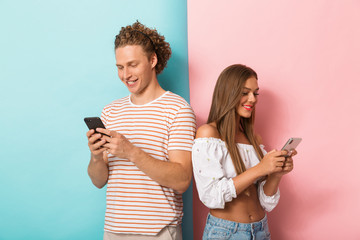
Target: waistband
235 226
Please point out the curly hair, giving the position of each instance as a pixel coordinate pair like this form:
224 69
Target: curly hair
149 39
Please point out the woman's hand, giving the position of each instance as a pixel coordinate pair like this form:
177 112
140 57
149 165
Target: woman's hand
273 162
288 164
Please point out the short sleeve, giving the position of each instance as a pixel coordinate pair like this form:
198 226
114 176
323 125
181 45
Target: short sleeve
182 130
105 114
213 187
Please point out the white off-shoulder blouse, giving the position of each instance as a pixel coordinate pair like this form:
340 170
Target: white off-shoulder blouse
213 172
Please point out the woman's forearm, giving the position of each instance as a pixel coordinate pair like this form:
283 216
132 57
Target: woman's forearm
272 184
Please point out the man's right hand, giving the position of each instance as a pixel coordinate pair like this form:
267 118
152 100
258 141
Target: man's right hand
95 143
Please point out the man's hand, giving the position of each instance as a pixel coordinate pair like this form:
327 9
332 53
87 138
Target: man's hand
117 144
96 144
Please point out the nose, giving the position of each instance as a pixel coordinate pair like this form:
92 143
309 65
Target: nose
252 98
126 74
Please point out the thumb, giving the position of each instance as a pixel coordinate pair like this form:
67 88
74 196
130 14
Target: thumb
272 151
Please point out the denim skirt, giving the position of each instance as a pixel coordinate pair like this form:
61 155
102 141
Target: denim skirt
221 229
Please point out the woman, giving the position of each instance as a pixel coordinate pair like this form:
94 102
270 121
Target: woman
234 175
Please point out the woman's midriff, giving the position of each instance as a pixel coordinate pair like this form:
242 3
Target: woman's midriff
245 208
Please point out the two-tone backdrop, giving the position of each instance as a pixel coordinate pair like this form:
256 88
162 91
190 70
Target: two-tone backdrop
57 66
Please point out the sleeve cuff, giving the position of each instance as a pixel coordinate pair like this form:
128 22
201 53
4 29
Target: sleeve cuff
268 202
232 193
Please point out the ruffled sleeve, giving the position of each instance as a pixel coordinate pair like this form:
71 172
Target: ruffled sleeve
268 202
213 187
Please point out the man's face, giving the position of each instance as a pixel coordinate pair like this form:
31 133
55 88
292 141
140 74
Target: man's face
134 68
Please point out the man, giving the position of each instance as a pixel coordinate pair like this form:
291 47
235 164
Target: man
146 158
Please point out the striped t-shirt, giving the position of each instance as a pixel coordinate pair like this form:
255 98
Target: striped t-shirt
135 203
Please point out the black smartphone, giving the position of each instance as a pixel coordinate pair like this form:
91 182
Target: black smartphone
291 144
93 123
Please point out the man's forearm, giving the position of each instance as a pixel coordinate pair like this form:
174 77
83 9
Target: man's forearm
98 172
169 174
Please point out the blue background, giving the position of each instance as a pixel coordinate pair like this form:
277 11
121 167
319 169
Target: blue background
57 66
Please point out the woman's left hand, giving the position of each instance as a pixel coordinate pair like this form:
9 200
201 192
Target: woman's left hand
288 164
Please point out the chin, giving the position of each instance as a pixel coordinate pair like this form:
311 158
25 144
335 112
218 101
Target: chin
244 113
247 115
133 90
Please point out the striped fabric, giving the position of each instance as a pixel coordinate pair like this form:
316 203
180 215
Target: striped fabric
135 203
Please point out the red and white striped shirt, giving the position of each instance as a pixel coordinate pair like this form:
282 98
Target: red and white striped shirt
135 203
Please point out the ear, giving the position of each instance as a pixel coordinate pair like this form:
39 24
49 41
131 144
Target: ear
153 60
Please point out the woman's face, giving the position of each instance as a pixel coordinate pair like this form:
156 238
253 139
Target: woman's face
248 98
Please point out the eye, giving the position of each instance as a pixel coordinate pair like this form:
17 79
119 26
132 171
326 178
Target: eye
256 94
120 67
245 93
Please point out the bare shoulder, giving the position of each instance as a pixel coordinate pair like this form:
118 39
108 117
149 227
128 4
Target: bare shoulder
207 131
258 139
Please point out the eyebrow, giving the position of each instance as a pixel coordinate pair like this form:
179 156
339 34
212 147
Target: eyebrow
251 89
128 63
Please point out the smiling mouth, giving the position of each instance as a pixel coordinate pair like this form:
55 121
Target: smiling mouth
248 107
130 83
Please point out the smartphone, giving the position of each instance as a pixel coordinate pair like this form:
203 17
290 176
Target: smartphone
291 144
94 122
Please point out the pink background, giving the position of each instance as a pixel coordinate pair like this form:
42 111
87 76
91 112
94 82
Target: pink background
306 54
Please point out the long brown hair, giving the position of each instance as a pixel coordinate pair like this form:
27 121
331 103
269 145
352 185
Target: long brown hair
226 98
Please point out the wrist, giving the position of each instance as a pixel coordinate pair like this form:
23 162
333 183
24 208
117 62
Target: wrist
135 154
275 177
261 171
95 158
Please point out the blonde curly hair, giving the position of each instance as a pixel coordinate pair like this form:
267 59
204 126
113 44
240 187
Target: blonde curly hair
149 39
